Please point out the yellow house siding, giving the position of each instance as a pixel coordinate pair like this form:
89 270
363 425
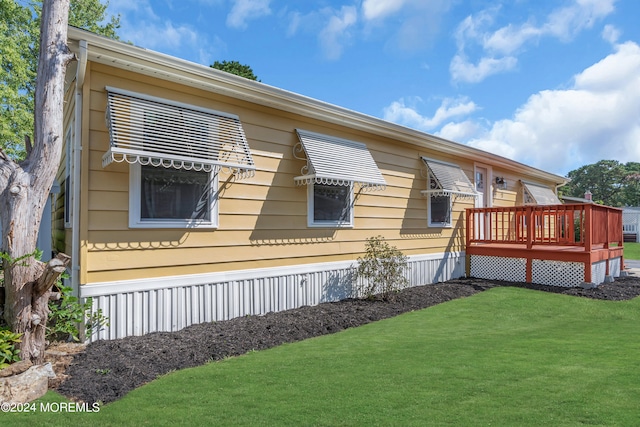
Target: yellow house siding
61 239
86 142
263 219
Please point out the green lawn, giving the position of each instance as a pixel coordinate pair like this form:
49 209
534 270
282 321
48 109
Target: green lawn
631 250
507 356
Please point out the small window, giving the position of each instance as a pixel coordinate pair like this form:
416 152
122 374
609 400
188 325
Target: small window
439 211
163 197
330 205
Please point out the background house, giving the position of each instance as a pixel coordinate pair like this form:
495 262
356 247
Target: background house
631 224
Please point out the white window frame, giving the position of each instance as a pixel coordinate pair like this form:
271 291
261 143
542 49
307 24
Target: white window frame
433 224
311 221
135 221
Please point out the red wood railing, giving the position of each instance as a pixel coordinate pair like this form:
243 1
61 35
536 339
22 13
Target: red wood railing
583 225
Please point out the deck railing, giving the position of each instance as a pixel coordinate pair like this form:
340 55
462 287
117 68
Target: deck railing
582 225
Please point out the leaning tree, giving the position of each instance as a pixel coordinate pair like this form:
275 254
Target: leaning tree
25 186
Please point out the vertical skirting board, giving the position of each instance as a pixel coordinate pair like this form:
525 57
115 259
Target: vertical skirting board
139 307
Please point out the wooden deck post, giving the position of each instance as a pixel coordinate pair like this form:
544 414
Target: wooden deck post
467 266
530 227
588 232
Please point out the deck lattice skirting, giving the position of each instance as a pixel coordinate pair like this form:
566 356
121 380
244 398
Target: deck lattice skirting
169 304
544 272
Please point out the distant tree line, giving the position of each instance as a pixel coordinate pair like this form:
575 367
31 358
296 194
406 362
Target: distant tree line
234 67
610 182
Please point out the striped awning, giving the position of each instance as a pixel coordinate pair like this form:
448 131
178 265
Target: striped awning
446 179
159 132
539 194
337 161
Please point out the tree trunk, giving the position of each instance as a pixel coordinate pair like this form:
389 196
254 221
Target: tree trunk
24 189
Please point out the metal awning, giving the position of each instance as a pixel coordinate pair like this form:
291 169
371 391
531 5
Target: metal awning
337 161
159 132
539 194
447 179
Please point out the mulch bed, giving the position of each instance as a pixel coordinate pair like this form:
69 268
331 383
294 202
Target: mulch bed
107 370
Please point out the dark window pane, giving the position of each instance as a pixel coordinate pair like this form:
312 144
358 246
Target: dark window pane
440 209
174 194
331 203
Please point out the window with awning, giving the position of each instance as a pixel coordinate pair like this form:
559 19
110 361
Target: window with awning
163 133
336 161
537 194
444 182
447 179
333 167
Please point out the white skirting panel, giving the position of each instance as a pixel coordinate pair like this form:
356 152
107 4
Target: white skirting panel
139 307
615 267
599 270
498 268
557 273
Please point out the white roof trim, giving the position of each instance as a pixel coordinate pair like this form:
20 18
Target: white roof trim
337 161
541 194
449 179
149 130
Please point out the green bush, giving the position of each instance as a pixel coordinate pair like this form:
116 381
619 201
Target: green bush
68 313
8 351
380 272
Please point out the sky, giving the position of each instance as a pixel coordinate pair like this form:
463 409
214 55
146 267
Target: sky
554 84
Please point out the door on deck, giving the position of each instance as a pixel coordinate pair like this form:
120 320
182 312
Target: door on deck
483 200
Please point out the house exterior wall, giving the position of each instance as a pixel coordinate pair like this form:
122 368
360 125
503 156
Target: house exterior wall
262 220
61 231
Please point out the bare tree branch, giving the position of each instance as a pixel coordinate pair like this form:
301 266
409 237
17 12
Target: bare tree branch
53 269
27 144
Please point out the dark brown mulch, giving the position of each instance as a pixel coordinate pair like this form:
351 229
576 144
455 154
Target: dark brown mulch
107 370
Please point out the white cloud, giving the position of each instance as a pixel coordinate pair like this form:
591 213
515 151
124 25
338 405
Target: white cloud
611 34
463 70
510 39
143 27
472 28
380 9
295 20
336 32
460 131
246 10
414 26
498 48
401 113
566 22
560 130
164 34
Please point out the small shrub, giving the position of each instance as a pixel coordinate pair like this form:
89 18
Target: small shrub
8 351
68 313
381 271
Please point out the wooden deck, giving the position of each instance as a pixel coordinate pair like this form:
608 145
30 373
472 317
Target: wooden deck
554 237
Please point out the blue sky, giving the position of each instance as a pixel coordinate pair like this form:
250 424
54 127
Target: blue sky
554 84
